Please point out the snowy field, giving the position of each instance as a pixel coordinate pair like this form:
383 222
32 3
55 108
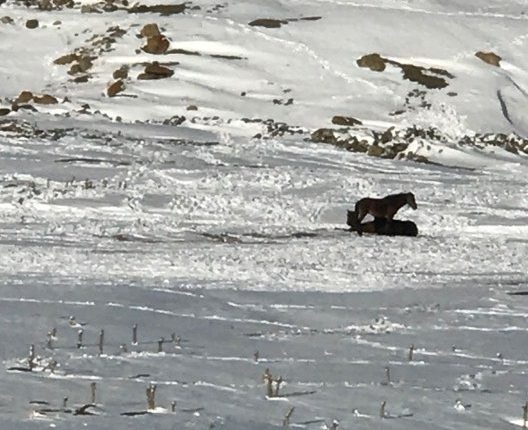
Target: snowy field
199 208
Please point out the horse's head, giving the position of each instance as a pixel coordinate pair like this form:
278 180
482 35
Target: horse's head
411 200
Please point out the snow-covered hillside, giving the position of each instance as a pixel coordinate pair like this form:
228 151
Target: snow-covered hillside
188 167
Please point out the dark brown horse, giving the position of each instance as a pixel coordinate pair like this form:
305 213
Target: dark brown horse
383 226
382 208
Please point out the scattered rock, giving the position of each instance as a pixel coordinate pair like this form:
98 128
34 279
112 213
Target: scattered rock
81 79
156 45
175 120
121 73
374 62
4 111
324 135
156 71
375 151
268 23
387 135
82 65
45 99
192 107
6 20
115 88
489 57
32 23
57 22
23 98
150 30
346 121
162 9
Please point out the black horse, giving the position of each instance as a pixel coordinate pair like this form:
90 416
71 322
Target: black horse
382 226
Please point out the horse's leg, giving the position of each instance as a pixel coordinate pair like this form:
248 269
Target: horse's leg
361 213
389 226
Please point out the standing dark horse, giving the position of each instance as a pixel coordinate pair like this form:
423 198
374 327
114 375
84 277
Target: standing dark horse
382 208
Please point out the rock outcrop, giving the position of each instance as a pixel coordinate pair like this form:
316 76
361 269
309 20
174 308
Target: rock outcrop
429 77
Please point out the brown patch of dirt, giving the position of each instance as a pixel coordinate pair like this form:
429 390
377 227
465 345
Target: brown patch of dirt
421 76
374 62
489 57
268 23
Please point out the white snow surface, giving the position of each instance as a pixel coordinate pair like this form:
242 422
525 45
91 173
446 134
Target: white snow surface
238 244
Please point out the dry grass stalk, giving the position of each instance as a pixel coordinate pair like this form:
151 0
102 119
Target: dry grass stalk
93 388
80 338
268 379
134 334
101 342
151 397
286 420
382 412
31 357
411 352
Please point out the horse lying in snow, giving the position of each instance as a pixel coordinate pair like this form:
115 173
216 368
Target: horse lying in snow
384 208
383 226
